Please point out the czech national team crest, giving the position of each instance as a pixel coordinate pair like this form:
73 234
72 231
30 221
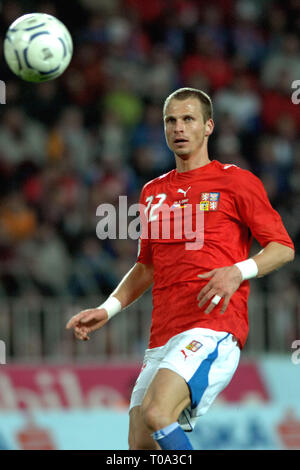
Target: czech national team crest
209 201
194 346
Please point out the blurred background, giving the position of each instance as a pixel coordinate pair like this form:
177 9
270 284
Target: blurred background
95 133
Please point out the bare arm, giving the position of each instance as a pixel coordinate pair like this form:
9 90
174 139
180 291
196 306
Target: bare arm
273 257
138 279
225 281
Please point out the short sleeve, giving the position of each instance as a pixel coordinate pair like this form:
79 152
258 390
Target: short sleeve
257 213
144 254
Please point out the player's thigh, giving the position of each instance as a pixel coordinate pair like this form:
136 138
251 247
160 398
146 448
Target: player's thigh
139 435
168 394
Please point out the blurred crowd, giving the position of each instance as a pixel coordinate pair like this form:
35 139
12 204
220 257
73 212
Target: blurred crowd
95 133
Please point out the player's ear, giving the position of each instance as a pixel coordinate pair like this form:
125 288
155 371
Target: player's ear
209 127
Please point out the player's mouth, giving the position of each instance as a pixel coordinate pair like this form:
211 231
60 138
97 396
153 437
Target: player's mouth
180 141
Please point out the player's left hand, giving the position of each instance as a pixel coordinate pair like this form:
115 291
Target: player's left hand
223 282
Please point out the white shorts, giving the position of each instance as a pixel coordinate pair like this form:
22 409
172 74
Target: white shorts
205 358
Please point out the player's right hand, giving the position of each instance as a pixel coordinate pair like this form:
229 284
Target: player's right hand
87 321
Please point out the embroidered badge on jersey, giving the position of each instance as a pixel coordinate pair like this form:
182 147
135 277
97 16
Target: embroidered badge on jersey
209 201
194 346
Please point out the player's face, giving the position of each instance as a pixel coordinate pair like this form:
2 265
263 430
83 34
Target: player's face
185 129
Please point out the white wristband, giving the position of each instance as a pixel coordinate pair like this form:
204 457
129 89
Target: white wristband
248 268
112 305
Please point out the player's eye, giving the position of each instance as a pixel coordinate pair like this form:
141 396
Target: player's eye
188 118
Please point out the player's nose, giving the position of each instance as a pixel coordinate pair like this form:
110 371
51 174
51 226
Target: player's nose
179 127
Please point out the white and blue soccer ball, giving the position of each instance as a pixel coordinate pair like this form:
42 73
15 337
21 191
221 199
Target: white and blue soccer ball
38 47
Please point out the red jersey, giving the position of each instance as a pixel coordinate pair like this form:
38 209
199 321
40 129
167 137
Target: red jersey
232 207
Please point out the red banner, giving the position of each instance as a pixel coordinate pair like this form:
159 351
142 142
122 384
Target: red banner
87 386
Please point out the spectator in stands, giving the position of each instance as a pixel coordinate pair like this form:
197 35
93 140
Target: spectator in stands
149 133
285 61
18 221
51 263
21 139
94 269
241 102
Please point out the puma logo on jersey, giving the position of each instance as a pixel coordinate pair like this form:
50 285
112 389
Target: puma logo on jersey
182 191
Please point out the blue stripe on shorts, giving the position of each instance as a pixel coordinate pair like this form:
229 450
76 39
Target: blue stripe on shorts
199 381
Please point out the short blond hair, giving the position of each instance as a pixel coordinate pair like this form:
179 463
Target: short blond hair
185 93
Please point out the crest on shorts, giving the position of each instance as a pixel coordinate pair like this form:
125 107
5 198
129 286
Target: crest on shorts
194 346
209 201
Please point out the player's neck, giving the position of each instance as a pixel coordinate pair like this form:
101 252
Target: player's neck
191 163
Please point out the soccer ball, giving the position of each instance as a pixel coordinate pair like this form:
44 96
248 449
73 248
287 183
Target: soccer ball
38 47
